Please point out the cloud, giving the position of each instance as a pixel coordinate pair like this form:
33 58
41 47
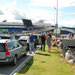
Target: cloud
53 3
10 12
46 15
1 12
18 14
38 14
65 23
72 13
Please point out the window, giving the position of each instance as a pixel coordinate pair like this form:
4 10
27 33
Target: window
11 45
23 42
2 47
17 44
4 37
12 37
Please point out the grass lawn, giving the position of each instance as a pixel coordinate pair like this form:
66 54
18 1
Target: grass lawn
45 63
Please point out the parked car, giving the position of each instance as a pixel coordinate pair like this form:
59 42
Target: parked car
23 40
17 36
11 50
6 36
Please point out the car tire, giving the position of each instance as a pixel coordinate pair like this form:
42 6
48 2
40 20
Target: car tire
14 61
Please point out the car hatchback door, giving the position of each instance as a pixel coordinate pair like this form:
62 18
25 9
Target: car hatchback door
2 51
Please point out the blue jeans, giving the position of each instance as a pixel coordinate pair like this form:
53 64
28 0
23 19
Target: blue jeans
70 57
42 43
31 45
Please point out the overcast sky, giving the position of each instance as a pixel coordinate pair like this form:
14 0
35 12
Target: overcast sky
15 10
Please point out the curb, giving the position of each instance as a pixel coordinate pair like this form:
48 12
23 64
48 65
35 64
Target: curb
23 63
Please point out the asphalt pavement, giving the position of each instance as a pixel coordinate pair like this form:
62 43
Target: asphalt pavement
6 69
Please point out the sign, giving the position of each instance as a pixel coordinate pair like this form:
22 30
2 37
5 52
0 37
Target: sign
3 30
57 31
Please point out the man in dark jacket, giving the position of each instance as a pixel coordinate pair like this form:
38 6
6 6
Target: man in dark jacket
43 41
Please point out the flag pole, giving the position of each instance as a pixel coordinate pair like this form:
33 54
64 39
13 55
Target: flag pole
56 26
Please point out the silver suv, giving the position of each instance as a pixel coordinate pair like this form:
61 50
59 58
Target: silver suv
11 50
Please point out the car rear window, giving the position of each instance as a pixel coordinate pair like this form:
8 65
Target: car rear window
11 45
5 38
2 47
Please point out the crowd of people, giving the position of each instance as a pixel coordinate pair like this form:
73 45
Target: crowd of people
65 49
71 35
44 38
47 38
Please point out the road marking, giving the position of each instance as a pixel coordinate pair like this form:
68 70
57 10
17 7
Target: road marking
21 65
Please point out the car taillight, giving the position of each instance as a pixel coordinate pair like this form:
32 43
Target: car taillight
6 49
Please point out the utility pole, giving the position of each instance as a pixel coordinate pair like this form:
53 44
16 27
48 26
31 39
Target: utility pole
54 15
56 25
57 14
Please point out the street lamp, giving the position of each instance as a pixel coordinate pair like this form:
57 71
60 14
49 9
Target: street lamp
56 30
54 15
